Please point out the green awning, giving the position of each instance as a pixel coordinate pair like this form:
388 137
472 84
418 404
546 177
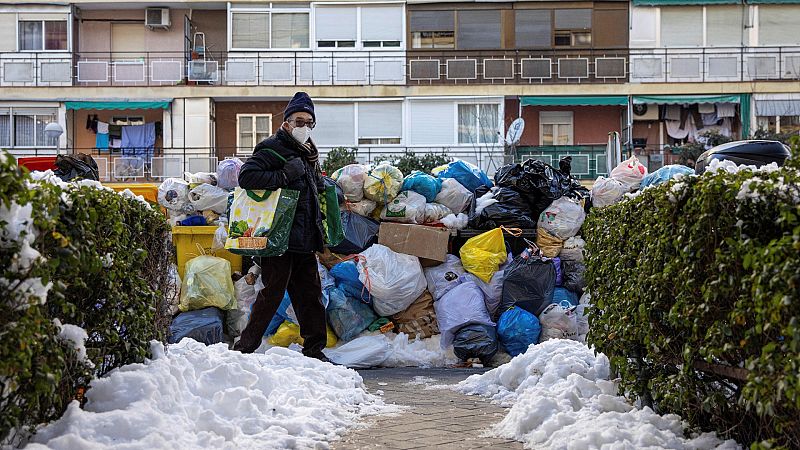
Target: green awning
684 99
684 2
575 100
123 105
773 2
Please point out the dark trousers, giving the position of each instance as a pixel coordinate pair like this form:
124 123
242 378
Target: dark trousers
297 273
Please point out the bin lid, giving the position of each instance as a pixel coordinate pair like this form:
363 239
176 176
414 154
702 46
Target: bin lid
751 147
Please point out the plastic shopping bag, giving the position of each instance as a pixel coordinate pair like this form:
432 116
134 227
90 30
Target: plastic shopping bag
207 282
607 191
558 323
260 222
563 218
483 254
173 194
517 330
665 174
630 173
395 280
573 249
407 207
434 212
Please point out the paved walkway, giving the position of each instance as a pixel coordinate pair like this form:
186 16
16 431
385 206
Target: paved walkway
436 418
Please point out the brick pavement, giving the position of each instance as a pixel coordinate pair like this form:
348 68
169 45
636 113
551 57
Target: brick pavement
435 418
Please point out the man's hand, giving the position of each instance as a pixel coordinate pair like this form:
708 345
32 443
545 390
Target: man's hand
294 169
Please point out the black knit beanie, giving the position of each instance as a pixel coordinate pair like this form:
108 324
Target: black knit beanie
301 102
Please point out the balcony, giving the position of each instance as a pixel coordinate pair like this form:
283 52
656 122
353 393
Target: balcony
715 64
572 66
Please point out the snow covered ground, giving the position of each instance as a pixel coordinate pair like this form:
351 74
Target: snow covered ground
210 397
561 398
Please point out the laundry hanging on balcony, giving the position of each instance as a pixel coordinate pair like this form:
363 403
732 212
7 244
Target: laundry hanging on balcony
139 140
101 140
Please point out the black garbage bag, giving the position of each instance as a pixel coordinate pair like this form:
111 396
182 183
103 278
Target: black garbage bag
202 325
510 210
539 183
476 341
574 272
328 181
529 283
359 234
70 167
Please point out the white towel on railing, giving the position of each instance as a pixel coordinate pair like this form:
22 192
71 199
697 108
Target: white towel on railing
102 127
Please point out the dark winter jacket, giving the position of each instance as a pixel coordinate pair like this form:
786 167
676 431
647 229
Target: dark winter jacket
263 170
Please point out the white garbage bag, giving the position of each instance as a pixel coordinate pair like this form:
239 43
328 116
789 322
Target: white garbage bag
558 322
395 280
573 249
434 212
363 207
209 198
228 173
220 236
444 277
563 218
582 318
237 319
201 177
351 179
607 191
173 194
361 353
630 173
454 195
407 207
462 305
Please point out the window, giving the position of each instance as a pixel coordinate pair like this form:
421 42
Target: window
283 26
572 27
533 27
336 27
777 24
335 124
25 127
381 27
724 26
555 128
380 123
42 35
250 130
478 123
682 26
478 29
127 120
779 124
432 29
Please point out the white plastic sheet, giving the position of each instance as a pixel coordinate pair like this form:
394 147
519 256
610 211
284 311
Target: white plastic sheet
395 280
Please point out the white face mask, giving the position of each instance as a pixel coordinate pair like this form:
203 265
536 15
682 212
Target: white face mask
302 134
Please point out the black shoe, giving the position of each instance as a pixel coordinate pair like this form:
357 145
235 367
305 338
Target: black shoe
321 356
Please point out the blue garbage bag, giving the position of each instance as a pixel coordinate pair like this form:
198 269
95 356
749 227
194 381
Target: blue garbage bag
665 174
202 325
565 297
346 276
476 341
348 316
280 316
467 174
559 274
423 184
517 330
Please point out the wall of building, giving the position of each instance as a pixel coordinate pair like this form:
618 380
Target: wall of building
95 30
591 124
226 121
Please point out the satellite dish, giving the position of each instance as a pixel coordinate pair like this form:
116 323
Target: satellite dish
514 133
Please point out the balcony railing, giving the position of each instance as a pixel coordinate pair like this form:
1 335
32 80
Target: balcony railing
714 64
588 160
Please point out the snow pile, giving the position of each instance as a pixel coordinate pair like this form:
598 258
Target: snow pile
724 165
561 398
76 336
210 397
127 193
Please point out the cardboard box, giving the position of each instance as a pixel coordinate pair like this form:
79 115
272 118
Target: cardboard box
427 243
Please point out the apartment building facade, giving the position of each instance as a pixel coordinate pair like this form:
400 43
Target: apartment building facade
208 80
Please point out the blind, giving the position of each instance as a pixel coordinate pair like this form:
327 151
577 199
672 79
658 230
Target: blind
724 26
777 25
432 123
43 16
431 21
336 23
533 27
380 120
250 30
382 23
8 32
290 30
478 29
335 124
682 26
572 19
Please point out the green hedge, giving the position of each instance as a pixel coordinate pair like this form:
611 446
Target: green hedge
105 258
696 285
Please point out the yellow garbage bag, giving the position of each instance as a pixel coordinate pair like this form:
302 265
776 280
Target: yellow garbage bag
549 245
383 183
483 254
289 333
207 282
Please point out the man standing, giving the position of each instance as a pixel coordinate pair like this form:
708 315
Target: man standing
288 159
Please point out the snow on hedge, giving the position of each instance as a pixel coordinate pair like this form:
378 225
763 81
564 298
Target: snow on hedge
561 397
197 397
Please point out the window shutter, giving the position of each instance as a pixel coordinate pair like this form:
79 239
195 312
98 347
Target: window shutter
336 23
432 21
432 123
380 120
682 26
724 26
478 29
533 27
335 124
250 30
777 24
382 23
572 19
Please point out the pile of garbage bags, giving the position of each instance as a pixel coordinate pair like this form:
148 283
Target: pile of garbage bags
202 197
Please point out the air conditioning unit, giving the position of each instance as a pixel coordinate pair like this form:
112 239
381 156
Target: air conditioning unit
645 112
156 18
